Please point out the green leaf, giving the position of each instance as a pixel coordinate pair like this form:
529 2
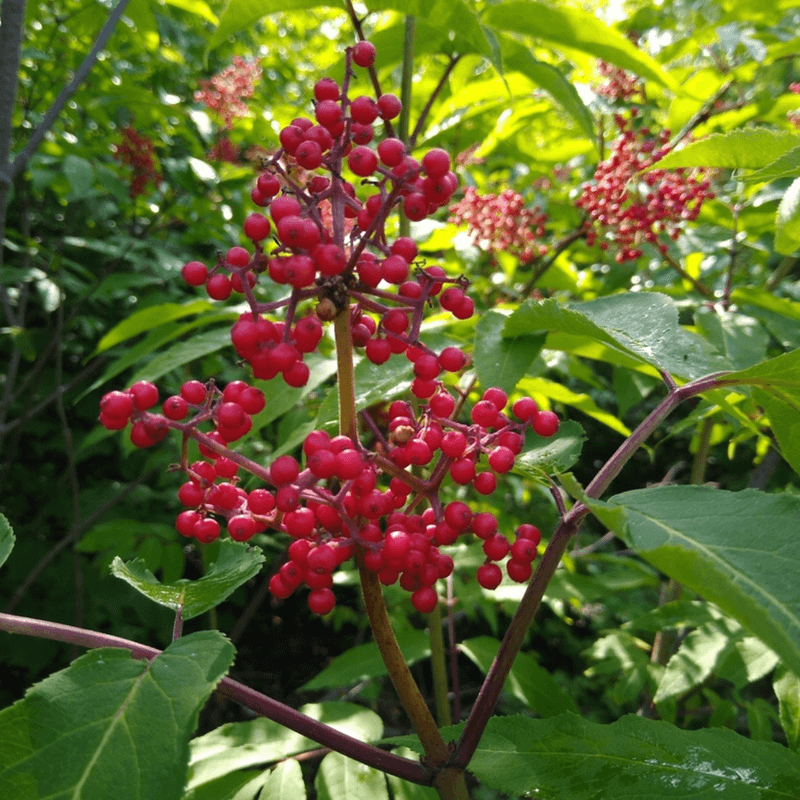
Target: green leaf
739 338
519 58
785 166
779 374
109 726
502 360
542 457
404 790
235 565
787 222
750 148
640 325
196 7
80 174
761 298
784 421
634 758
733 548
285 782
575 30
6 539
527 681
364 662
243 745
146 319
201 344
787 690
340 777
698 657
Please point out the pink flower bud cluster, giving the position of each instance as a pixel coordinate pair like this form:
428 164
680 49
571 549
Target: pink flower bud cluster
226 92
501 222
618 84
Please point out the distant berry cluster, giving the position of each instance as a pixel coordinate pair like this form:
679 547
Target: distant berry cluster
501 222
625 208
137 151
226 92
324 238
618 84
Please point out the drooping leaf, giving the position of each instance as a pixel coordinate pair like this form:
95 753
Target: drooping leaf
243 745
527 681
201 344
785 166
784 422
576 30
364 661
518 57
148 318
6 539
733 548
109 726
340 777
502 360
235 565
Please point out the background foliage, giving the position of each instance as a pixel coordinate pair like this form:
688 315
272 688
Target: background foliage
94 301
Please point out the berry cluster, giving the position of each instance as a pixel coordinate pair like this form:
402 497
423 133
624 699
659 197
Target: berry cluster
627 209
344 498
501 222
327 245
224 150
618 84
137 152
226 92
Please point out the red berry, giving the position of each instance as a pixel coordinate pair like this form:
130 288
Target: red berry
242 527
389 106
117 405
175 407
451 359
256 227
362 161
268 185
518 571
525 409
530 532
485 483
326 89
206 530
546 423
193 392
489 576
219 287
238 256
392 152
194 273
145 395
364 110
185 522
501 459
484 413
321 601
436 163
284 469
496 547
425 599
364 54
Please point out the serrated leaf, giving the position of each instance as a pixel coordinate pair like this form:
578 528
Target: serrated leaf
634 758
748 148
640 325
109 726
555 454
787 222
502 360
6 539
527 681
733 548
364 662
235 565
576 30
146 319
243 745
340 777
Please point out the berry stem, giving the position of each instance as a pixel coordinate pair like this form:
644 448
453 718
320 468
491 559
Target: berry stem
265 706
438 667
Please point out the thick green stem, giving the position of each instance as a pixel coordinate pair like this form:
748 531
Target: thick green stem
440 688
